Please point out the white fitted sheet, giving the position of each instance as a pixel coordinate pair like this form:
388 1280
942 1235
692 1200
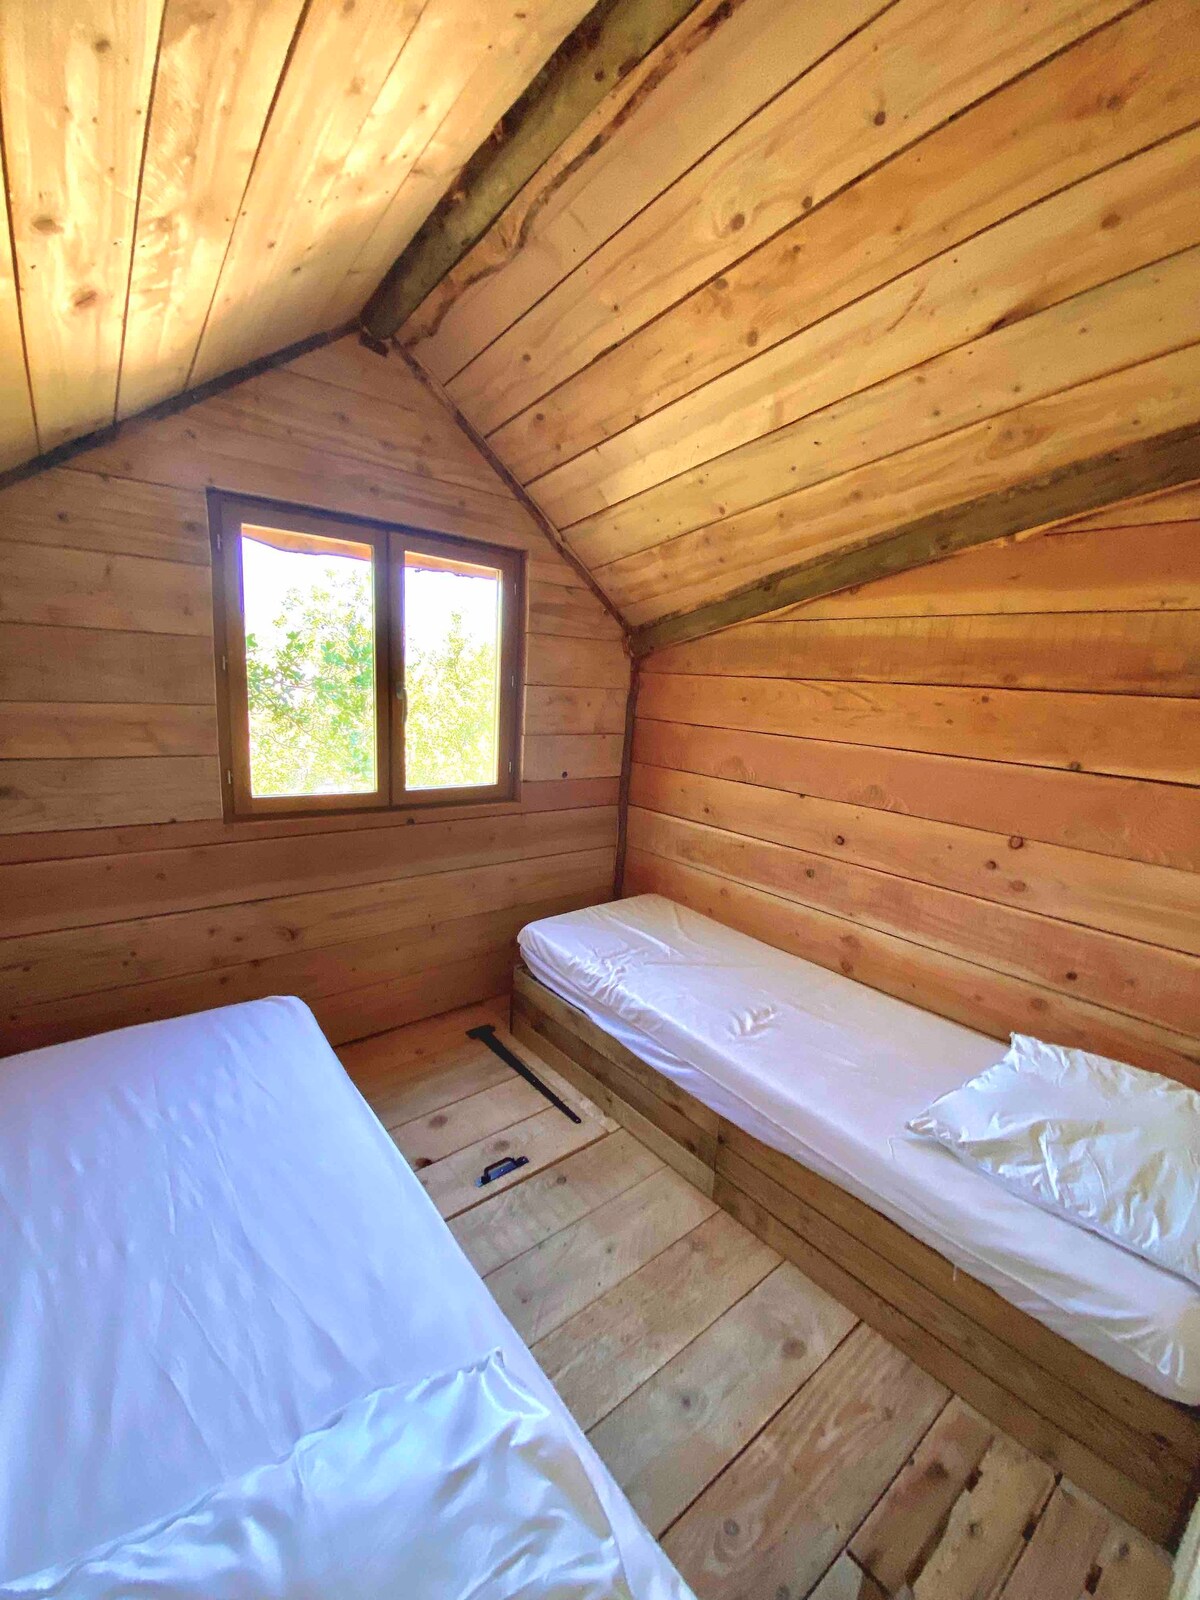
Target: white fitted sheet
209 1249
829 1072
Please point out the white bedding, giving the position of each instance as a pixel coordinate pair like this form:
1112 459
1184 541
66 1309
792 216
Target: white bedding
222 1291
829 1071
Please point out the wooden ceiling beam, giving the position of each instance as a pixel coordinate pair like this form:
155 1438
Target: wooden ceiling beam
608 43
61 454
1142 467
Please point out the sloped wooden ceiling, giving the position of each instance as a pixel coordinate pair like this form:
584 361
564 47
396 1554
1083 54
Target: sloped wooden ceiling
814 271
193 184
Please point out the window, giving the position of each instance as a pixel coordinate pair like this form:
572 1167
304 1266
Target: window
361 665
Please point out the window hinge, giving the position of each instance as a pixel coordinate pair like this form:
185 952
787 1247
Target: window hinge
218 539
224 663
229 776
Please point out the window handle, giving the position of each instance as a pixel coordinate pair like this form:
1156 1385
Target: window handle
402 699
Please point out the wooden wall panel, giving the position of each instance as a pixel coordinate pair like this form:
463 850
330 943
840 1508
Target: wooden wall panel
821 271
870 500
809 304
1042 728
846 110
974 785
124 896
788 438
18 433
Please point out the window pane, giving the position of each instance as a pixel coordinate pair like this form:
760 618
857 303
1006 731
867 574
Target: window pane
452 615
310 663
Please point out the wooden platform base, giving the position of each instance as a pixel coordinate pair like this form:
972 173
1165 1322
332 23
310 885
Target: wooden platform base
773 1443
1134 1451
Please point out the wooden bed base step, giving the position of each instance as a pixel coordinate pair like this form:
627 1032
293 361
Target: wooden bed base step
1136 1452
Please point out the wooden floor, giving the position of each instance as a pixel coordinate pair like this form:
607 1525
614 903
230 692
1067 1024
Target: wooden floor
776 1446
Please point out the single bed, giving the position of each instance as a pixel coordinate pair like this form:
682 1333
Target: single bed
827 1072
237 1344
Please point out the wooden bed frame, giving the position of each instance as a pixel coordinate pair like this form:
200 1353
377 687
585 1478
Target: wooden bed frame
1136 1452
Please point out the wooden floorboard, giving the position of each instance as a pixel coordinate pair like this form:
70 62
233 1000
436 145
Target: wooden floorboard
679 1430
551 1200
619 1341
778 1447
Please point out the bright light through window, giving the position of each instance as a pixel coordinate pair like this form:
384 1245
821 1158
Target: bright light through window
452 632
310 665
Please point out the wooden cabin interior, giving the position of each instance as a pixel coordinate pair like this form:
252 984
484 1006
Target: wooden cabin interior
709 487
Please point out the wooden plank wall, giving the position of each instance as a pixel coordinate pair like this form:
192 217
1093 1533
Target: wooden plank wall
124 896
975 785
812 270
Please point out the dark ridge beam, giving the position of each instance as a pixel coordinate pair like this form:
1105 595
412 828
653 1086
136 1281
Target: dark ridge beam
513 484
1161 462
610 41
64 453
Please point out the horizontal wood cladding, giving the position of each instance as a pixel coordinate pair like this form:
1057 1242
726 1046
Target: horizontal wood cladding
124 896
820 133
75 843
1095 964
1125 559
992 812
1119 653
75 961
354 987
1157 904
1114 817
1141 737
816 273
51 729
105 793
81 891
966 991
117 516
97 665
988 458
93 589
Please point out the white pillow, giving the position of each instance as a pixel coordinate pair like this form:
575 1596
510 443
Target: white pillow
1105 1145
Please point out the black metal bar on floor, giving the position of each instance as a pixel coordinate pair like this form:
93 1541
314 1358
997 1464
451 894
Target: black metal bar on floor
486 1034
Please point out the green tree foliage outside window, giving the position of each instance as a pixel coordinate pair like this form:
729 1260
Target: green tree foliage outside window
450 735
311 691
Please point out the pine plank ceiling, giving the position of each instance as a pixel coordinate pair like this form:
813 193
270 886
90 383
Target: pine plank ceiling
809 277
193 184
815 270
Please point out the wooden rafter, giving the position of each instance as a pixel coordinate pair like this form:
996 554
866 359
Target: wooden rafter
553 536
612 39
66 452
1140 468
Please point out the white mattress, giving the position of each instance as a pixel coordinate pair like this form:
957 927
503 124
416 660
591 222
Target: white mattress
209 1248
829 1071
